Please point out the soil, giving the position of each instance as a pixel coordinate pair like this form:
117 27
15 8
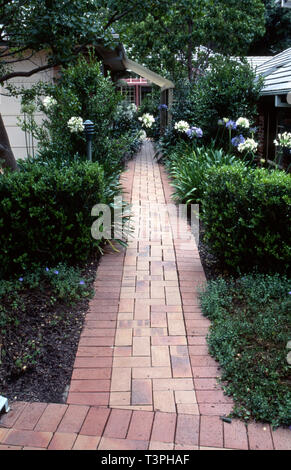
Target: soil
49 335
211 265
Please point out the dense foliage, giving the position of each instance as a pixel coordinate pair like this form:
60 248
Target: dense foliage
228 88
250 328
190 24
45 213
247 216
188 168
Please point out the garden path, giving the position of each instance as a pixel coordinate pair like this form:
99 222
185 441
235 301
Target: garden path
142 378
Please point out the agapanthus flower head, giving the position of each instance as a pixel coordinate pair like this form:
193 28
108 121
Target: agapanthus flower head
21 279
198 132
283 140
237 140
243 122
147 120
182 126
82 283
49 102
248 146
142 135
162 106
76 124
231 124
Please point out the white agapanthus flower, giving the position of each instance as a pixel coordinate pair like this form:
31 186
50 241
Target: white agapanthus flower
243 122
76 124
48 102
283 140
248 146
182 126
147 120
142 135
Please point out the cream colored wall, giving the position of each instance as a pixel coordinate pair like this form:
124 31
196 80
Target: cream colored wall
11 109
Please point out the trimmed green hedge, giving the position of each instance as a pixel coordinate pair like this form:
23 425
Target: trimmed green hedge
247 218
45 213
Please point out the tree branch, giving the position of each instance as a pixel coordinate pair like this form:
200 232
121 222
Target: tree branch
10 75
116 17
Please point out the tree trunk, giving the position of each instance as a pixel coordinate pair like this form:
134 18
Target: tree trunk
190 52
6 153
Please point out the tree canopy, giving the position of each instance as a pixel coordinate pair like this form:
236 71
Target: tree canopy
166 39
277 36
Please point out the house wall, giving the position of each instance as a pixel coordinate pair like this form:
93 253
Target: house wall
10 108
272 120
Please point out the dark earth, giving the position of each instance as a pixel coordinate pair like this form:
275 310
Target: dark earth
50 336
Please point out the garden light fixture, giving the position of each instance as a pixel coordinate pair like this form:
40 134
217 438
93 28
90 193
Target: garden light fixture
4 404
89 132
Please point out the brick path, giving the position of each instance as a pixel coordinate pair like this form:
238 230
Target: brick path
142 378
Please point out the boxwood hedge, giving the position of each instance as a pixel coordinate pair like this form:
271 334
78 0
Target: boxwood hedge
247 218
45 213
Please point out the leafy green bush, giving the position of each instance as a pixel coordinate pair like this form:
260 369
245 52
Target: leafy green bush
227 88
246 214
188 170
45 213
82 92
250 327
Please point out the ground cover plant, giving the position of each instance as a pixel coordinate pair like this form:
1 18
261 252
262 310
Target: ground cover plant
250 328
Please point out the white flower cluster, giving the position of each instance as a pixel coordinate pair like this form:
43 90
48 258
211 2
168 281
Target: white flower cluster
142 135
48 102
76 124
182 126
243 122
147 120
283 140
248 146
126 110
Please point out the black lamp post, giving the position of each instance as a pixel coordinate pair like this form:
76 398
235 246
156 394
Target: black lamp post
89 132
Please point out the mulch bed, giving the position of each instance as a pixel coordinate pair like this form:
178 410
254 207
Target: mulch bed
53 335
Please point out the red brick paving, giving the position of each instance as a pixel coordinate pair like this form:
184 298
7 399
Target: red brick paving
142 378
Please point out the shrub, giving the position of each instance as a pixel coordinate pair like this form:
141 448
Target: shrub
250 327
227 88
45 213
188 170
82 92
246 214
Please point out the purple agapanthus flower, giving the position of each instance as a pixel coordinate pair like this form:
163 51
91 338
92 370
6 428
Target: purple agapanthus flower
163 106
231 124
56 272
47 270
198 132
81 283
20 279
194 131
239 139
